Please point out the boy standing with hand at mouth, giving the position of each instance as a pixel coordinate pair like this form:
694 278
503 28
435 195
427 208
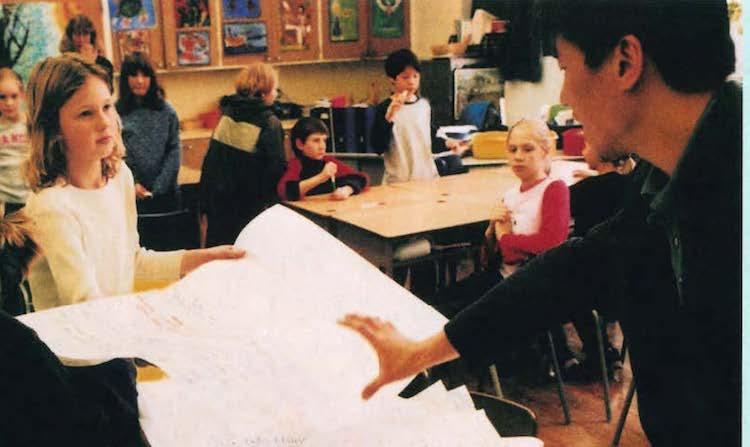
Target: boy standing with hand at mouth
402 130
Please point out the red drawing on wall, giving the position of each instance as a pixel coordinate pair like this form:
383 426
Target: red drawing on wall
296 24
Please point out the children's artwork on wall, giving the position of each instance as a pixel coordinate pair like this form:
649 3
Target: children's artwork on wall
134 40
131 14
245 38
29 32
193 48
387 18
192 13
296 24
344 15
240 9
476 84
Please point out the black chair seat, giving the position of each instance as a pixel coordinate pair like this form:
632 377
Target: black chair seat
507 417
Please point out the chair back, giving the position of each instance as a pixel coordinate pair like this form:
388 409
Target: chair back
482 114
170 230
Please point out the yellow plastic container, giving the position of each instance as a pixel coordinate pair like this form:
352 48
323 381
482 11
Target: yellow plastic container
491 144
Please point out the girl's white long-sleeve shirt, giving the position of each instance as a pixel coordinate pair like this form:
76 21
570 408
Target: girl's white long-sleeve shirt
89 244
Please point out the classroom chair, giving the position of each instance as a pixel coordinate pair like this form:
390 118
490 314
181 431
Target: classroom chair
170 230
445 257
603 369
509 418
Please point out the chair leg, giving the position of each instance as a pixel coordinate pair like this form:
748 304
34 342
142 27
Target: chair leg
624 350
440 266
452 271
603 364
496 381
624 413
558 375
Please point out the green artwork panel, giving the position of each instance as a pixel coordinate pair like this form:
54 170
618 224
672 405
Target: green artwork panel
387 18
344 17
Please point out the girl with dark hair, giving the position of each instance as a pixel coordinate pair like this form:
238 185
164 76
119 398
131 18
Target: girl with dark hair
151 133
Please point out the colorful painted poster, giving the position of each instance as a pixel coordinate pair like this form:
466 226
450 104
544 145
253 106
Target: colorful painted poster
476 84
29 32
387 18
245 38
192 13
131 14
193 48
296 24
240 9
132 41
344 23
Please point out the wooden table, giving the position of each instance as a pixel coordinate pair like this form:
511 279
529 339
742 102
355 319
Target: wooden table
377 221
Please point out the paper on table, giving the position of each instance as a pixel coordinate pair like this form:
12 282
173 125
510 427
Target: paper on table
254 355
462 132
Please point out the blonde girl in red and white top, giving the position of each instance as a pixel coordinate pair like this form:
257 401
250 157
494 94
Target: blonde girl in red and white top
535 216
531 218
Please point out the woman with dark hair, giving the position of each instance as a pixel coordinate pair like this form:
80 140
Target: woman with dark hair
80 37
151 133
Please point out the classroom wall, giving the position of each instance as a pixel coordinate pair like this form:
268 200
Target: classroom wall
192 93
525 99
195 92
429 28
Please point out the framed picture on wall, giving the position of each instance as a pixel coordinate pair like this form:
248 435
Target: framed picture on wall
240 9
131 14
387 18
132 41
192 13
344 23
245 38
193 48
296 24
476 84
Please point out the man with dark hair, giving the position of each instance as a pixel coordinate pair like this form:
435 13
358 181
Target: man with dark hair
646 77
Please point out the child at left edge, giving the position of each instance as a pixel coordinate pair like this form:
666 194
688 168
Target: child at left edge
312 171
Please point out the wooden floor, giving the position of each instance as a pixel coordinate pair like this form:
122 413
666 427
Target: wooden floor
588 427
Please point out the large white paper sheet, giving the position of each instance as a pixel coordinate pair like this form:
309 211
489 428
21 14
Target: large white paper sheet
254 356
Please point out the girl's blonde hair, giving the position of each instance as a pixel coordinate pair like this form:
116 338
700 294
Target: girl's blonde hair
51 84
541 135
257 79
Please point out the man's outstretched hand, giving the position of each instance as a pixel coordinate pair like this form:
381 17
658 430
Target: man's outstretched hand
398 356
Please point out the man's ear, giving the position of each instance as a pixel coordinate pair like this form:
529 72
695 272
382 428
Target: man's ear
630 62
